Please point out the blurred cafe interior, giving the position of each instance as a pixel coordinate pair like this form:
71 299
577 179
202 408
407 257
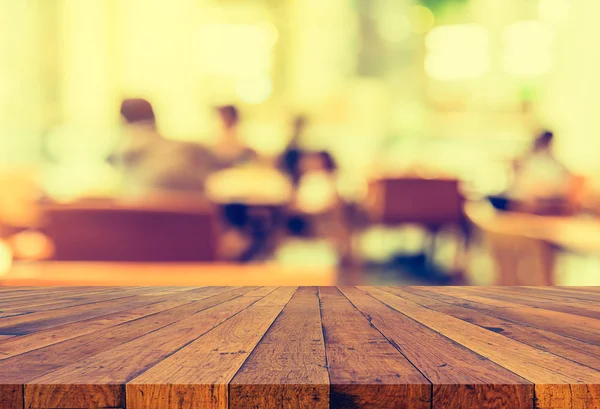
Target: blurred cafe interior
299 142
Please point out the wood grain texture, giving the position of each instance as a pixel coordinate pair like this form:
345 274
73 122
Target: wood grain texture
120 364
365 369
582 352
11 396
559 383
306 347
288 369
462 379
38 362
65 396
209 363
575 326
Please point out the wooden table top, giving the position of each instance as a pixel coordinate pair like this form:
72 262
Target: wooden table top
299 347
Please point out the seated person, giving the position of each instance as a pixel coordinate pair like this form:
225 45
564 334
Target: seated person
318 202
541 182
229 150
317 185
539 174
292 156
150 163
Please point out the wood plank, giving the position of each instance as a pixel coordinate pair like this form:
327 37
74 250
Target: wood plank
61 333
546 297
34 364
559 383
554 304
581 352
73 300
11 396
365 369
27 300
364 347
582 328
288 367
68 396
36 322
25 343
118 365
30 322
595 289
572 294
461 378
198 375
19 292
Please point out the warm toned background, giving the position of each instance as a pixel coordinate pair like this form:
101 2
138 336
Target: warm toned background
423 104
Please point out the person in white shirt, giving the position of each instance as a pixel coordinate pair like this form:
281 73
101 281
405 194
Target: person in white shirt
151 163
539 175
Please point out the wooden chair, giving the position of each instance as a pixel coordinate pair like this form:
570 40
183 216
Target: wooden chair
430 203
150 232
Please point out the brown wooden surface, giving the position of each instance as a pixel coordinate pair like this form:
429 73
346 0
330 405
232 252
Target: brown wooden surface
299 347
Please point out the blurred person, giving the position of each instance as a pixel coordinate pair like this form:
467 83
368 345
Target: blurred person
539 174
317 184
542 183
318 207
229 150
151 163
291 157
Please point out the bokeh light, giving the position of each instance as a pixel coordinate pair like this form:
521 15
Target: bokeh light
458 52
422 19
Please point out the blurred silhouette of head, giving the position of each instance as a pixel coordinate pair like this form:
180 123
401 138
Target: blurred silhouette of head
544 141
318 161
230 115
328 162
300 122
137 111
298 126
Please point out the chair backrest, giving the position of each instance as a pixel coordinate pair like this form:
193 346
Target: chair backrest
431 202
105 232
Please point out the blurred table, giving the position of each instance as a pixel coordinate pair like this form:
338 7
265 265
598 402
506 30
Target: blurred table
579 234
178 274
524 246
253 199
252 186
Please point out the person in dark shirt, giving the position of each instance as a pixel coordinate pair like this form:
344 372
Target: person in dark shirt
230 151
292 156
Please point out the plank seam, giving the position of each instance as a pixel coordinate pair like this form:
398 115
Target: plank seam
133 339
500 318
124 323
135 375
442 335
253 348
323 335
369 320
550 304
